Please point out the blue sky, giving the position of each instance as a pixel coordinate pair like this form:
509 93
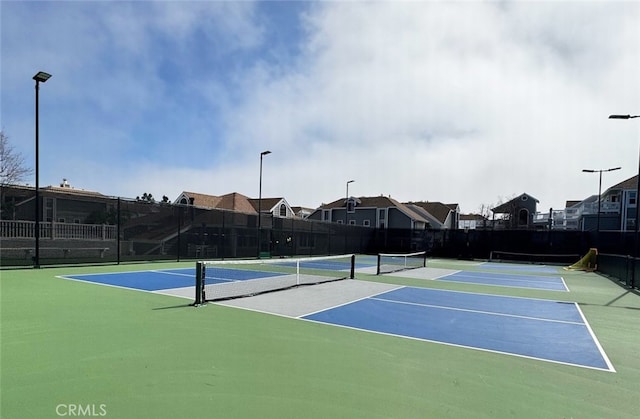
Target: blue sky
467 102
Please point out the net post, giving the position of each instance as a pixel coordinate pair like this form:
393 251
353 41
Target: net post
378 265
424 260
352 274
200 275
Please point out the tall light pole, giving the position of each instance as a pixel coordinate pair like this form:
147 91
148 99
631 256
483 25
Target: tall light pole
346 202
599 190
264 153
40 77
637 229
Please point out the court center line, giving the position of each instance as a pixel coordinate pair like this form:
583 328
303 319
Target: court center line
477 311
159 271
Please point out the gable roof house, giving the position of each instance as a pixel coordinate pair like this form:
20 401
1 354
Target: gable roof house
378 211
617 209
619 205
277 207
517 213
440 216
232 201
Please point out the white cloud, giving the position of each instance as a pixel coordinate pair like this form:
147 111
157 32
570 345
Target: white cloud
461 102
458 102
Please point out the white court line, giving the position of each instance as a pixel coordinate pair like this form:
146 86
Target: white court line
493 313
372 296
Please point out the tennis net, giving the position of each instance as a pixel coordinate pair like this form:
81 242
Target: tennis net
393 262
221 280
533 258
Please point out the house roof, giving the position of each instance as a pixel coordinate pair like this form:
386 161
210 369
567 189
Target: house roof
267 203
507 206
236 202
378 202
200 200
233 201
438 210
472 217
365 201
631 183
72 191
570 204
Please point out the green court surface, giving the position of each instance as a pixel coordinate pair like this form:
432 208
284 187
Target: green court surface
74 347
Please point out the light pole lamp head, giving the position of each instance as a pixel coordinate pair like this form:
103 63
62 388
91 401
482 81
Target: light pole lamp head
41 77
623 116
264 153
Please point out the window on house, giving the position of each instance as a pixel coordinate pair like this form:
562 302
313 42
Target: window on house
352 222
632 198
366 223
283 210
325 215
340 222
382 217
351 205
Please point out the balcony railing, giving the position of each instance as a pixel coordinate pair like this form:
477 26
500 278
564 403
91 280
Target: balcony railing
51 230
592 208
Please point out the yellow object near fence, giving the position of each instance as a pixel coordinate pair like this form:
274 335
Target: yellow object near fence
587 263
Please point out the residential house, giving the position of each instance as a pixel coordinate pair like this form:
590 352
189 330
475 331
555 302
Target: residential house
233 201
472 222
516 213
302 212
277 207
380 212
59 204
617 210
440 216
618 207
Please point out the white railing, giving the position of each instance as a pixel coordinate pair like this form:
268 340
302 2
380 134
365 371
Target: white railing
48 230
592 207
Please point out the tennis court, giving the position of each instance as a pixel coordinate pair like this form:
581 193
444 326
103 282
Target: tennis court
376 346
553 331
547 330
230 278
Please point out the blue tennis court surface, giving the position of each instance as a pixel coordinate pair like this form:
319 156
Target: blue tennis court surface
553 283
520 267
157 280
552 331
163 279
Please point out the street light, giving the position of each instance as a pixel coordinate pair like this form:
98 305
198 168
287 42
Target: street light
637 229
264 153
346 202
599 191
40 77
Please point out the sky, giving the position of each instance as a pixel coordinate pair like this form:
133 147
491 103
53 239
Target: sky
467 102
